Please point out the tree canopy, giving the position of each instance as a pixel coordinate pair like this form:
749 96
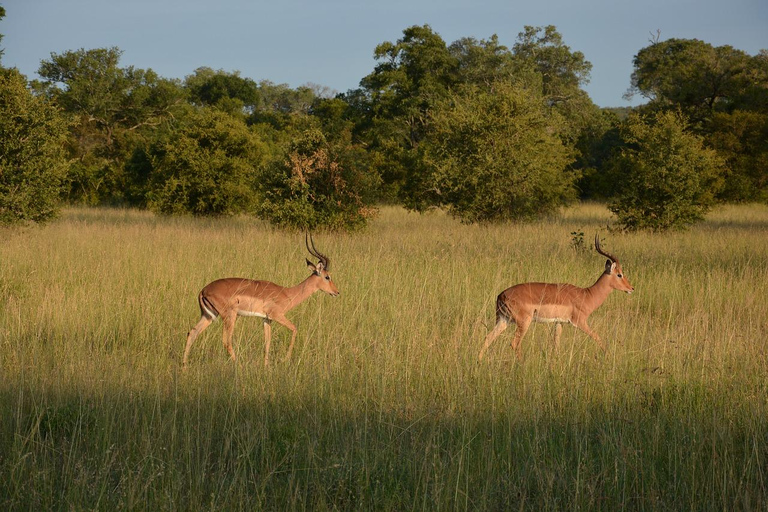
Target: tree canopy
487 131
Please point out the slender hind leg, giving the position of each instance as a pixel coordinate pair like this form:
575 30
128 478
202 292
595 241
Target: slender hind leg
501 325
194 333
229 329
522 328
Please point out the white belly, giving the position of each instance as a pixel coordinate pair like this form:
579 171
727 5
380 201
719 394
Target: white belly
544 320
242 312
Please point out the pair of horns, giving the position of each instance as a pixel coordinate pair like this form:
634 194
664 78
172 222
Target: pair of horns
314 252
606 254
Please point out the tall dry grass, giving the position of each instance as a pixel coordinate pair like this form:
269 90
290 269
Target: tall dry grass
383 404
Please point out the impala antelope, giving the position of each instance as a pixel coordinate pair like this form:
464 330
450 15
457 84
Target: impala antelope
231 297
555 303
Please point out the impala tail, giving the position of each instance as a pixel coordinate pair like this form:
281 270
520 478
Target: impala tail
207 309
502 309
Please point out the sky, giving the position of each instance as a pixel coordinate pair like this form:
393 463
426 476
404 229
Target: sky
331 42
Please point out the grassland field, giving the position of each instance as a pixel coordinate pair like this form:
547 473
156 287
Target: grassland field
383 405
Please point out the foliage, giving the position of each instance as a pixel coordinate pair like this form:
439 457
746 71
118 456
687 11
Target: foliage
411 74
227 91
666 177
207 167
597 143
419 73
691 75
741 137
724 91
562 71
112 108
381 134
493 155
319 183
280 104
32 162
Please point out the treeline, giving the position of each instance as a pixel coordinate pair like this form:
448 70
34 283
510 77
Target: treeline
486 132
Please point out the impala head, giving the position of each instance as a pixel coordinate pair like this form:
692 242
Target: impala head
618 280
320 270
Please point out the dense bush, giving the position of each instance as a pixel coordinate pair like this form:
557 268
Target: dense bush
494 155
741 138
32 161
665 177
318 184
207 167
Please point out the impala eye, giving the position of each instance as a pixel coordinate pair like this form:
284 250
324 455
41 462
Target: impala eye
619 276
327 278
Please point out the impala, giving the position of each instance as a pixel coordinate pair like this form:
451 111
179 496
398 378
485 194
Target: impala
555 303
234 296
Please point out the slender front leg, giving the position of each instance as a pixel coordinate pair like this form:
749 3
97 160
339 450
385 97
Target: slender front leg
287 323
267 339
582 324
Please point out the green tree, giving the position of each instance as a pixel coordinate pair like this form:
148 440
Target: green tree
227 91
411 74
562 71
32 161
207 167
483 62
596 145
280 104
691 75
321 182
113 109
542 56
667 178
493 154
724 91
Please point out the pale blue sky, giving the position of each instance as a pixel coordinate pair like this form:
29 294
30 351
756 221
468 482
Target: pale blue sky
331 42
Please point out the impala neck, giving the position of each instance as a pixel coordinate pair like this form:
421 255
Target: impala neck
598 292
301 292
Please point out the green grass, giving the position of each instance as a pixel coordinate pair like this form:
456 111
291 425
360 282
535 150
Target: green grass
383 405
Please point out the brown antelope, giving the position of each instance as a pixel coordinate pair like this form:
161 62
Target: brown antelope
234 296
555 303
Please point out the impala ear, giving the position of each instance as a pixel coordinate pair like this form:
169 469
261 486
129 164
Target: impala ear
311 266
320 266
609 267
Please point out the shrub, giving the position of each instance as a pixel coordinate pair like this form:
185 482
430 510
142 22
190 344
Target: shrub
208 167
665 176
32 161
495 155
318 184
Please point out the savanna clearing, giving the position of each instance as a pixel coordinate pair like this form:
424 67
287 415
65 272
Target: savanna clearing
383 404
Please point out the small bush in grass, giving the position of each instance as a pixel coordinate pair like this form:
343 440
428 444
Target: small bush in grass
318 184
665 176
494 156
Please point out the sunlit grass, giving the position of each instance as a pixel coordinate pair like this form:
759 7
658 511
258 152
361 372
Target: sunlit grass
383 404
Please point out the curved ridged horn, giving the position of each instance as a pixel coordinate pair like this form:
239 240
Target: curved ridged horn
314 252
599 250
